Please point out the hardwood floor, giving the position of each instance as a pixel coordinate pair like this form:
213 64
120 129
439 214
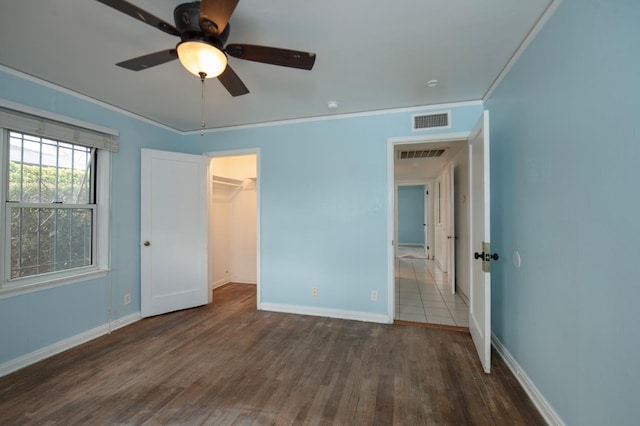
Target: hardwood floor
229 364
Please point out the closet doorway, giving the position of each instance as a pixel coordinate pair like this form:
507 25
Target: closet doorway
234 224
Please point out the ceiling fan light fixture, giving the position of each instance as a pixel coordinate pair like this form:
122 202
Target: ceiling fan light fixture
199 57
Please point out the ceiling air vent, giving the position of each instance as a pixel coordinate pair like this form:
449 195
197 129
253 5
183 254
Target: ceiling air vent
421 153
436 120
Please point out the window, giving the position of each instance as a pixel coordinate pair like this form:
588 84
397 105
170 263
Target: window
56 189
50 205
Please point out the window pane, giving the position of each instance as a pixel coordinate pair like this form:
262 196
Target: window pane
82 175
49 239
31 172
47 171
64 180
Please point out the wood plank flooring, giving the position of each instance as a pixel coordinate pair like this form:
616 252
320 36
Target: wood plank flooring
228 364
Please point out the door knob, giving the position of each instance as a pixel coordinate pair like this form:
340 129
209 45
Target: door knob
147 243
486 257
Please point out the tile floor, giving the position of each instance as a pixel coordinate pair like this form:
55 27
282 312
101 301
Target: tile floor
422 293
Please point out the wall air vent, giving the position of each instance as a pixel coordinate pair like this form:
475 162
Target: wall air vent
435 120
421 153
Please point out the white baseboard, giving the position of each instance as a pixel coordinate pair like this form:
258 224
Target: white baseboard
324 312
220 282
463 297
63 345
244 280
232 279
543 406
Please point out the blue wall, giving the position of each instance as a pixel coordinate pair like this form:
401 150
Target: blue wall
565 172
324 205
323 208
36 320
411 214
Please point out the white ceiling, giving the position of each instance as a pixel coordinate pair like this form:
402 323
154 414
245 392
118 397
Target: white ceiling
371 55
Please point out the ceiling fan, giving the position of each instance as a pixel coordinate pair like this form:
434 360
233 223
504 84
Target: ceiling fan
203 28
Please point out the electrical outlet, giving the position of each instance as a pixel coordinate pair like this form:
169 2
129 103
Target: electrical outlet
314 291
127 299
374 296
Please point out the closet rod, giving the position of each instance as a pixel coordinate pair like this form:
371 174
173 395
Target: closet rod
227 181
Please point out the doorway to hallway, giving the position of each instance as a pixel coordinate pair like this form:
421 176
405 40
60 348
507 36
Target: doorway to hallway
477 236
430 286
413 219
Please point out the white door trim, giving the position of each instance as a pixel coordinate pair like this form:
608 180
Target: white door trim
391 143
235 153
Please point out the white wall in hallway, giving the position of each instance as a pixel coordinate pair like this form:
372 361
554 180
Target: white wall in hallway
461 200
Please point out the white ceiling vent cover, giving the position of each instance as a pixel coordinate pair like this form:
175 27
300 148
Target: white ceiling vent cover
434 120
421 153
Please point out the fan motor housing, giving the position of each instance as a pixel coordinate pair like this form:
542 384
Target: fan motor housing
187 19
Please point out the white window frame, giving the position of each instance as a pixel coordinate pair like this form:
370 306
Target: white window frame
101 238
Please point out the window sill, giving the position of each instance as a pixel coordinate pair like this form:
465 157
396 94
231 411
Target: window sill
51 283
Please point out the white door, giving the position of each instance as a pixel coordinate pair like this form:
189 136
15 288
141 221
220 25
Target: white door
480 309
174 232
426 221
452 232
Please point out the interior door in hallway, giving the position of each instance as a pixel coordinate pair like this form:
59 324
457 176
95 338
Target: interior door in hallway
451 230
174 231
427 220
480 309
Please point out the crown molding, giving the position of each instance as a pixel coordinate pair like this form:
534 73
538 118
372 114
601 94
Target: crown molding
339 117
84 98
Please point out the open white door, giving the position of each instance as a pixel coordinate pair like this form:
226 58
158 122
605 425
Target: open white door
480 309
452 232
426 221
174 232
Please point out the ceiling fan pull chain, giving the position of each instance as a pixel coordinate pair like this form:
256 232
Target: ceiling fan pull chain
203 75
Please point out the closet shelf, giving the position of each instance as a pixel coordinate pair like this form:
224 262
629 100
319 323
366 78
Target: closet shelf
235 183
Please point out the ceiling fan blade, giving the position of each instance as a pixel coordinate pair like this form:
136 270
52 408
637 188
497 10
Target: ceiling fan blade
150 60
232 82
215 14
141 15
272 55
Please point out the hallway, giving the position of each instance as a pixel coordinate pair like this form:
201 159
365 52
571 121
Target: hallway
422 293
